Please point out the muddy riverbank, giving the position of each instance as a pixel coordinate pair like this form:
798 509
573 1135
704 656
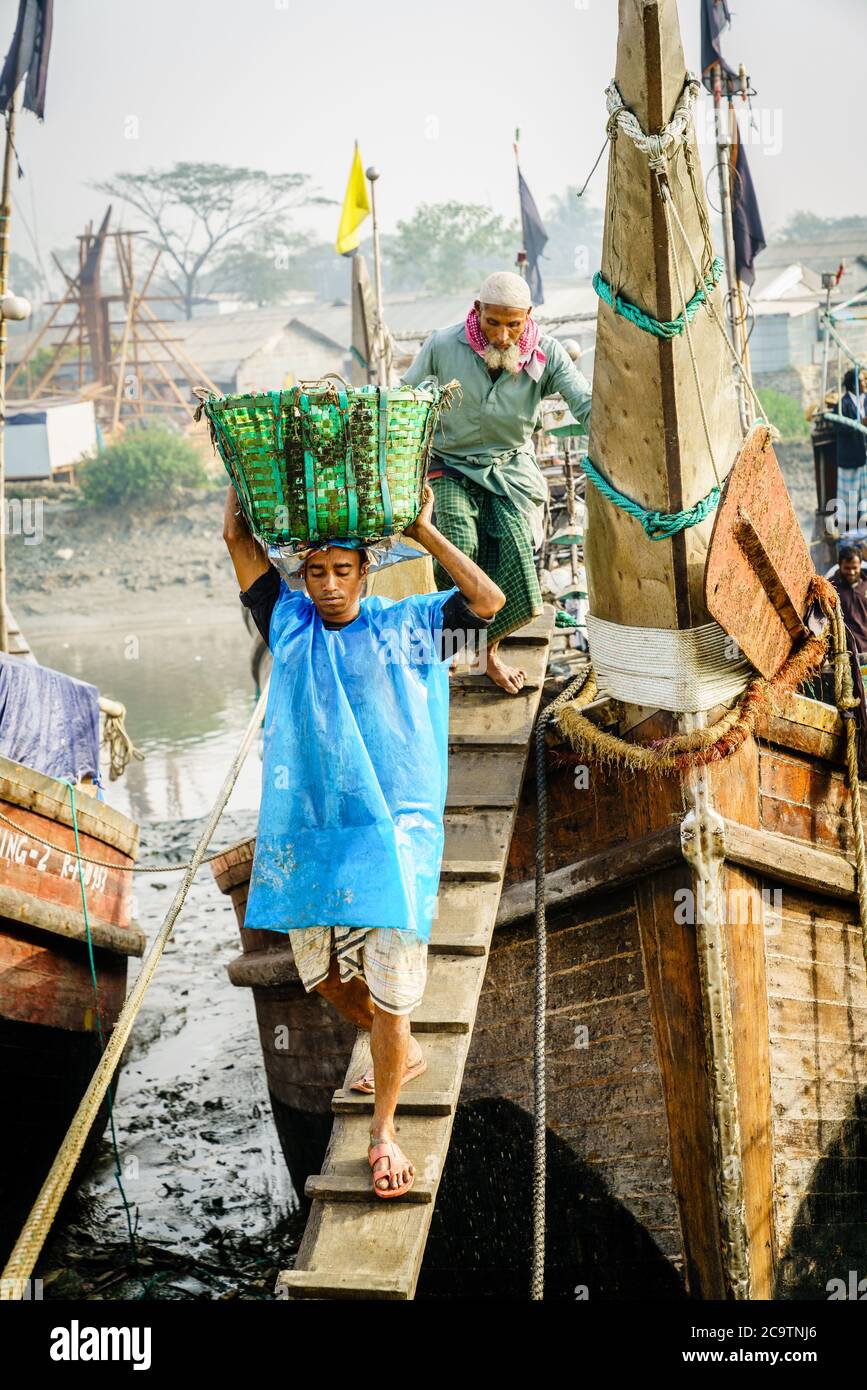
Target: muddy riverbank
208 1193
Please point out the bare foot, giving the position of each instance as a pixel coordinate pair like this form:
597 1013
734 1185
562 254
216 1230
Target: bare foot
508 678
391 1170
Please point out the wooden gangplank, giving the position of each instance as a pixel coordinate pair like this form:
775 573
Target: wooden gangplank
355 1244
18 645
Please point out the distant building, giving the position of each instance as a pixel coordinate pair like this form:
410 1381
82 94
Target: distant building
47 438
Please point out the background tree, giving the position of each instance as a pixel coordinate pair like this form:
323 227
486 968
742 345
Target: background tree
574 228
25 278
803 226
447 246
196 212
265 267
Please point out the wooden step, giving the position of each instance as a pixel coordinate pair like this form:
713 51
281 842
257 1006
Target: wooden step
358 1187
485 777
537 632
306 1283
477 719
478 836
411 1102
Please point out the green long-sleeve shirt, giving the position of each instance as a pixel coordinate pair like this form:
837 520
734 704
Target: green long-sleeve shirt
489 436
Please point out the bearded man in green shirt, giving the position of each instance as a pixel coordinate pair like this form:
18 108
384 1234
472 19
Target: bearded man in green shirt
488 488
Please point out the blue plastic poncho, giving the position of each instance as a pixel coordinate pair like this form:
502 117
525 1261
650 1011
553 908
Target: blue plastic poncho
354 769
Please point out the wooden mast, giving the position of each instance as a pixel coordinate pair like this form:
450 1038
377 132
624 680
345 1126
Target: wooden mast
649 438
646 432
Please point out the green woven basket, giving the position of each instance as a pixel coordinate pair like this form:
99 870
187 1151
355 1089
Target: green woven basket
326 460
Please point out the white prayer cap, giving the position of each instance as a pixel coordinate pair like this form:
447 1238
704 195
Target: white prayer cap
506 288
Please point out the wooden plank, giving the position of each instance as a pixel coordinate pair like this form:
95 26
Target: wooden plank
434 1092
355 1244
758 570
621 865
310 1284
745 951
464 916
673 983
46 796
788 860
481 778
58 920
537 632
449 1003
485 870
356 1187
479 835
410 1103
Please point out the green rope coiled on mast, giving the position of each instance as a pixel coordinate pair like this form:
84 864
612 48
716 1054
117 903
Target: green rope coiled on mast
658 526
660 328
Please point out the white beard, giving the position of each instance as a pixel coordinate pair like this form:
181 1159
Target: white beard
507 358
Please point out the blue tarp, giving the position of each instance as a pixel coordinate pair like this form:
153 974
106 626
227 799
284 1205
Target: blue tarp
355 768
48 721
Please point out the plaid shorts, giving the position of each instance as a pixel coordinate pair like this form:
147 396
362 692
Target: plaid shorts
392 963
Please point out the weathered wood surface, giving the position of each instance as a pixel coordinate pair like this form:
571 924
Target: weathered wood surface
355 1244
817 1002
21 787
44 971
49 917
17 643
646 433
33 869
756 585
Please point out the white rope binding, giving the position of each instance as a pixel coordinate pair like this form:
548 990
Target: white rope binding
686 670
659 147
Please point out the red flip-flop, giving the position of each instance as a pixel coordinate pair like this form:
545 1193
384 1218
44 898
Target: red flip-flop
365 1082
387 1150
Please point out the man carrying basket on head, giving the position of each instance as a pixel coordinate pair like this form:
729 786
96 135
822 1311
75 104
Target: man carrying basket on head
488 488
350 834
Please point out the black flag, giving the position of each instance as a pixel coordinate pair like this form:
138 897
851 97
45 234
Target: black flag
714 18
535 237
28 55
749 235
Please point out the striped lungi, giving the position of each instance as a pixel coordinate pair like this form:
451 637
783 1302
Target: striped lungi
392 963
493 532
852 497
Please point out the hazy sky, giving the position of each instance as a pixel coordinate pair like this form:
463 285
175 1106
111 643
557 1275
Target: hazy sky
432 91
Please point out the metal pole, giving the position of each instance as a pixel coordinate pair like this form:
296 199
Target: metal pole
521 258
828 279
372 175
5 210
723 145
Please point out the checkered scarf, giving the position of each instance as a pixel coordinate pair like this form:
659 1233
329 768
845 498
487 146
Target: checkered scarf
532 359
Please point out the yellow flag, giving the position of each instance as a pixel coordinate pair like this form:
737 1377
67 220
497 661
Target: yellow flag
355 207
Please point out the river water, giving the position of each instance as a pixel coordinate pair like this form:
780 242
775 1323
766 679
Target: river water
211 1202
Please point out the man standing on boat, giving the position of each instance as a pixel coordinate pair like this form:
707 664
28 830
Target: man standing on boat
489 490
852 456
350 834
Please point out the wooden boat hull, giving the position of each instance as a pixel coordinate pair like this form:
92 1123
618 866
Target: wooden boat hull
49 1041
634 1202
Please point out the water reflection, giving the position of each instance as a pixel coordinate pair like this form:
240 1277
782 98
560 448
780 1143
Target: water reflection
188 694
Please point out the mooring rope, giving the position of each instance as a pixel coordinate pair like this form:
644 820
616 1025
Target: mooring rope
540 999
32 1238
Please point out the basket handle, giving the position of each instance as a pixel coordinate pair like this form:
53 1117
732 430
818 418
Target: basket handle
311 384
